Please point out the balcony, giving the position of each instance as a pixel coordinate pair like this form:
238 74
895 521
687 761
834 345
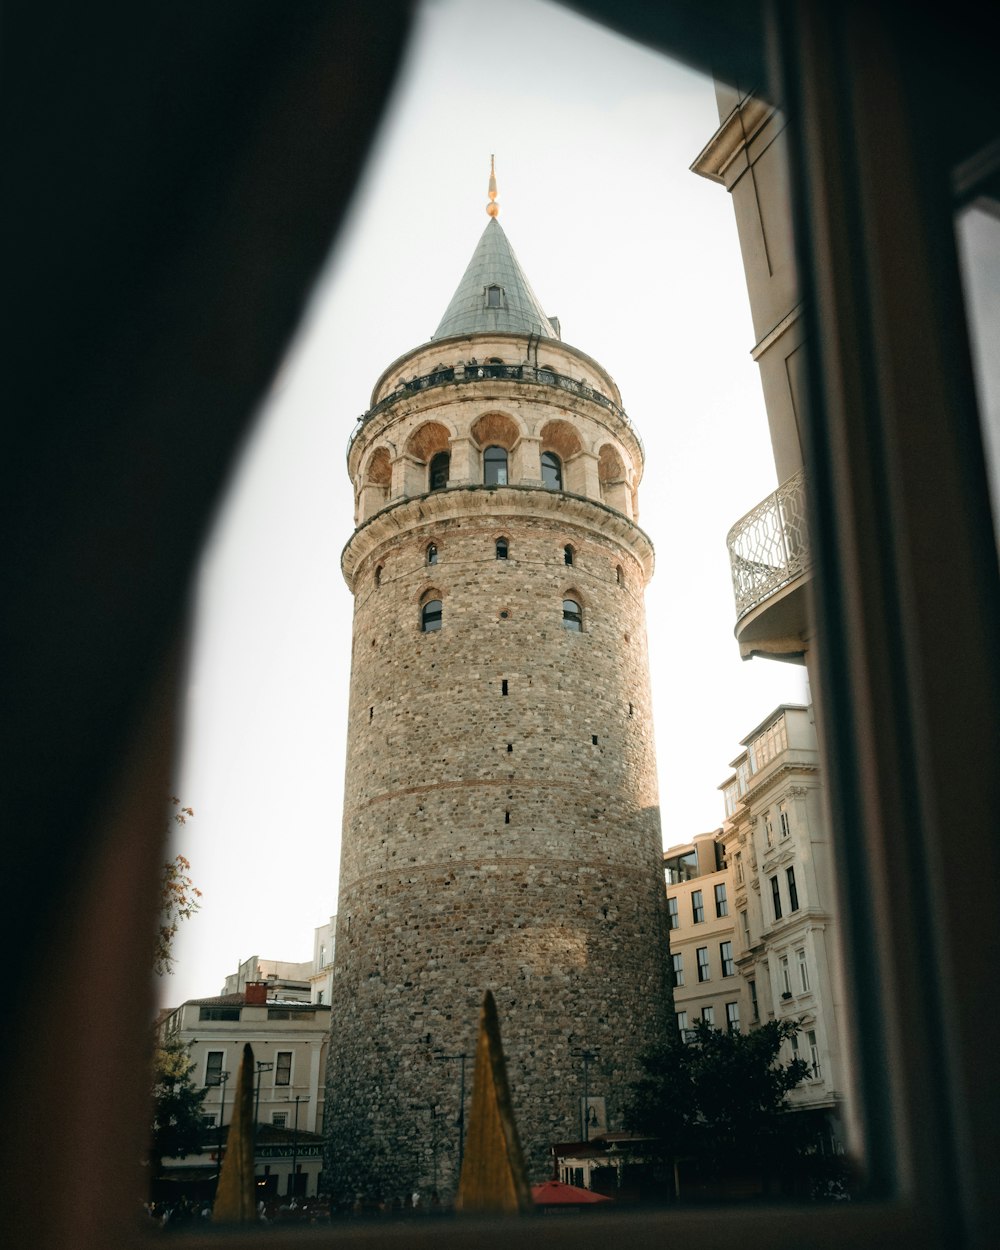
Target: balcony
770 562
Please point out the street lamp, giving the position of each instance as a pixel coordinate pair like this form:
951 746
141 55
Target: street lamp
295 1139
261 1067
223 1078
586 1056
460 1121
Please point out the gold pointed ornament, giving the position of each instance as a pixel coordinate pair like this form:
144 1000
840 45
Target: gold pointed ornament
493 208
494 1180
235 1196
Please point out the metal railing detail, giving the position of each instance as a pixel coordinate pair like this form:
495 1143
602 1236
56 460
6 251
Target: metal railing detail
477 373
769 547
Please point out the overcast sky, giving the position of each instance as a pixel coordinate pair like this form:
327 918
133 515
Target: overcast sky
639 259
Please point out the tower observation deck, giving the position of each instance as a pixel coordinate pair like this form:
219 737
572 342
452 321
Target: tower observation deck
501 822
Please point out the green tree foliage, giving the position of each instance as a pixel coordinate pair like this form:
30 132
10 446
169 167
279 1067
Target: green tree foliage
178 899
178 1125
719 1100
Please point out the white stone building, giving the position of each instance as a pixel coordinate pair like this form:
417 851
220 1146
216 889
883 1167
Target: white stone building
289 1040
321 976
777 846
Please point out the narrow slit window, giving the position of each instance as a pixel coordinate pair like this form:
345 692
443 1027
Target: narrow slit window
432 553
619 575
568 554
503 686
593 739
502 548
572 616
378 575
510 748
431 615
506 817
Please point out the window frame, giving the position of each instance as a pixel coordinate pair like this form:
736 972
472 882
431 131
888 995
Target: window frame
721 900
431 619
704 966
283 1069
550 470
572 615
496 466
728 961
697 907
677 969
673 912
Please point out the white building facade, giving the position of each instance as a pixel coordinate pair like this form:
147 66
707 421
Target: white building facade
289 1041
777 846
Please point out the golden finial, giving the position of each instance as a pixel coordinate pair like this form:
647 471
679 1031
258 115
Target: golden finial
493 208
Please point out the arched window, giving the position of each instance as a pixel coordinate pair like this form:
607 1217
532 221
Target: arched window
551 471
378 575
432 554
572 616
502 548
440 464
495 466
568 554
430 615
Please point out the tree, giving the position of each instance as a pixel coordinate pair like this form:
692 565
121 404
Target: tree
178 1118
178 899
719 1099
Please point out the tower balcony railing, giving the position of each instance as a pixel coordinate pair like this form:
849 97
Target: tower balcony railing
769 547
471 372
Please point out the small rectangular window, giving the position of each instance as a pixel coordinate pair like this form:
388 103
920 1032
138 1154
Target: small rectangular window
703 970
697 907
673 916
279 1119
678 967
283 1067
503 686
793 893
783 823
721 902
754 1005
708 1016
733 1017
682 1020
213 1067
593 739
726 956
776 897
786 978
817 1072
800 955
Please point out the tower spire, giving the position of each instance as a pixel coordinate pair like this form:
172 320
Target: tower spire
493 208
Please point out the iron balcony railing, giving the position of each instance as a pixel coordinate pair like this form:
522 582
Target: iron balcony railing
477 373
769 547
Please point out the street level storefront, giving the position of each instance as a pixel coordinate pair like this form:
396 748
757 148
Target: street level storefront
279 1155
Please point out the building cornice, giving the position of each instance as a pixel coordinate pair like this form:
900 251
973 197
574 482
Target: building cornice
733 136
494 502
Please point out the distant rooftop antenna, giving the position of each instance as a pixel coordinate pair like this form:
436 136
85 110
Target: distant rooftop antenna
493 208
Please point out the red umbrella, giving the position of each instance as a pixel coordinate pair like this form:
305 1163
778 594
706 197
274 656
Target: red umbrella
556 1194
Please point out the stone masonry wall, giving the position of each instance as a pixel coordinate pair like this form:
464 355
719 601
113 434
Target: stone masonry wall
505 841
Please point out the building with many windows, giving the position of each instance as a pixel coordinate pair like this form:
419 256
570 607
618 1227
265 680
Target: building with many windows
707 985
289 1041
776 842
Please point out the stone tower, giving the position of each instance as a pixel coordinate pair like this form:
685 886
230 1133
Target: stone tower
501 826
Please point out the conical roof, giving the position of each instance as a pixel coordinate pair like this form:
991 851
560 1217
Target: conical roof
514 310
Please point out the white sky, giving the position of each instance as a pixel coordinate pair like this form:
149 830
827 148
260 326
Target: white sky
639 258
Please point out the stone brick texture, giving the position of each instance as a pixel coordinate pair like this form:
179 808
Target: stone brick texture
492 841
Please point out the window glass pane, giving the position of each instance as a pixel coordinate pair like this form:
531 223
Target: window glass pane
495 466
572 615
430 616
551 471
